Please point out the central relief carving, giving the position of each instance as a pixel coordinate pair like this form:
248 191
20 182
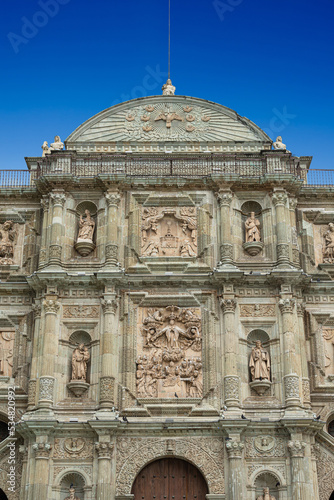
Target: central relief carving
169 346
168 232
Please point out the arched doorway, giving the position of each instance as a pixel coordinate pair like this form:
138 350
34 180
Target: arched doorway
3 496
169 478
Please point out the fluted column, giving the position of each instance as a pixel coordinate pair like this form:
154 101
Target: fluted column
50 351
40 487
58 199
113 199
230 369
224 197
236 480
35 355
279 198
45 202
104 489
109 348
299 468
290 359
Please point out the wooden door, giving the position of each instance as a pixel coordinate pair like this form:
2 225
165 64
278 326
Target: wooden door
170 479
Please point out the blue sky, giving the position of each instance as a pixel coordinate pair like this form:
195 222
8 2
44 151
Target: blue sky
63 61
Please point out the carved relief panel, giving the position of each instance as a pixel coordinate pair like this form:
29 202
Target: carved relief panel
6 353
169 353
328 335
169 232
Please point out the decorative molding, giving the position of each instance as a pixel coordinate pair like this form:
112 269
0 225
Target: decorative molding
265 446
32 392
283 251
112 252
231 388
55 252
226 251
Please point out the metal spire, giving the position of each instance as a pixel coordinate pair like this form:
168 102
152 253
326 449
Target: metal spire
168 88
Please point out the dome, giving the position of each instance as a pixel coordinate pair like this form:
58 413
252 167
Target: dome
168 123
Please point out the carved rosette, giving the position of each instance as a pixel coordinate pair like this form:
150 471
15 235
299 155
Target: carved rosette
297 449
291 384
51 306
46 386
107 389
228 305
234 449
104 450
42 450
32 392
58 199
279 198
109 306
286 305
231 388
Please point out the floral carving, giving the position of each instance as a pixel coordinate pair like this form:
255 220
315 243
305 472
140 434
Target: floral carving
325 470
291 384
286 305
279 198
107 389
231 387
32 392
58 198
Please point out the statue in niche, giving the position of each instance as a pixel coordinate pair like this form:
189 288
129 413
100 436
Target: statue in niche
72 494
57 145
7 236
329 244
6 353
86 227
252 226
80 358
259 363
266 495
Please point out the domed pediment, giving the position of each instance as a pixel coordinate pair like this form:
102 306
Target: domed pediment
175 123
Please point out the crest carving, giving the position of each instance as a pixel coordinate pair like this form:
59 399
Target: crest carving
73 447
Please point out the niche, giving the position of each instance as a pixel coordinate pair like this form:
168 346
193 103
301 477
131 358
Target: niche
4 433
259 361
251 216
267 480
79 362
331 428
86 228
72 481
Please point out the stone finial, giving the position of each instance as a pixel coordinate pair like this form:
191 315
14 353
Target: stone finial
168 88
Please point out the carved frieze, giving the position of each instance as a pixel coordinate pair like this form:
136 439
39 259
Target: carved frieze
6 353
257 310
73 447
81 311
169 353
169 231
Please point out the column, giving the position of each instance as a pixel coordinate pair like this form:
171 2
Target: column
104 488
230 368
291 367
293 225
58 199
279 198
50 351
224 197
40 488
303 357
35 355
299 471
113 199
45 202
236 479
109 350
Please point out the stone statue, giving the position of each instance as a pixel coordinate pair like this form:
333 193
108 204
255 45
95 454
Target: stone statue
278 144
72 495
329 244
86 227
252 226
80 358
187 250
266 495
168 88
46 149
259 363
152 249
57 145
7 236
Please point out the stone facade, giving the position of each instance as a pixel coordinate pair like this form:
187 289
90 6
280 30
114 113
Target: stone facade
191 257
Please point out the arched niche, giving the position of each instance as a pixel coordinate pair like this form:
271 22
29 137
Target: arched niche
79 337
252 227
269 480
4 433
330 426
246 209
72 479
86 230
3 495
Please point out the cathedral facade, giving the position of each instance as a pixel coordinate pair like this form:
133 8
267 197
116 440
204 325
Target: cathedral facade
167 313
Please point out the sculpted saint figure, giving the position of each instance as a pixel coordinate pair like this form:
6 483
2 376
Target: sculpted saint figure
7 236
259 363
72 495
329 243
278 144
252 226
266 495
86 227
172 333
57 145
46 149
80 358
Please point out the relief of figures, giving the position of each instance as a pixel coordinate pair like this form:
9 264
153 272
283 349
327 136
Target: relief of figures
169 232
169 359
252 227
328 251
6 353
7 239
259 363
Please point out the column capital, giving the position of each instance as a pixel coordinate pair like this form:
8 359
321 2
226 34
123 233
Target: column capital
112 198
234 449
45 202
286 305
297 449
104 450
228 305
42 450
224 197
58 198
51 306
37 309
109 305
300 309
279 198
293 202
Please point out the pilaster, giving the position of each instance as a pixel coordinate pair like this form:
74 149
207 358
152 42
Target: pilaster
113 199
